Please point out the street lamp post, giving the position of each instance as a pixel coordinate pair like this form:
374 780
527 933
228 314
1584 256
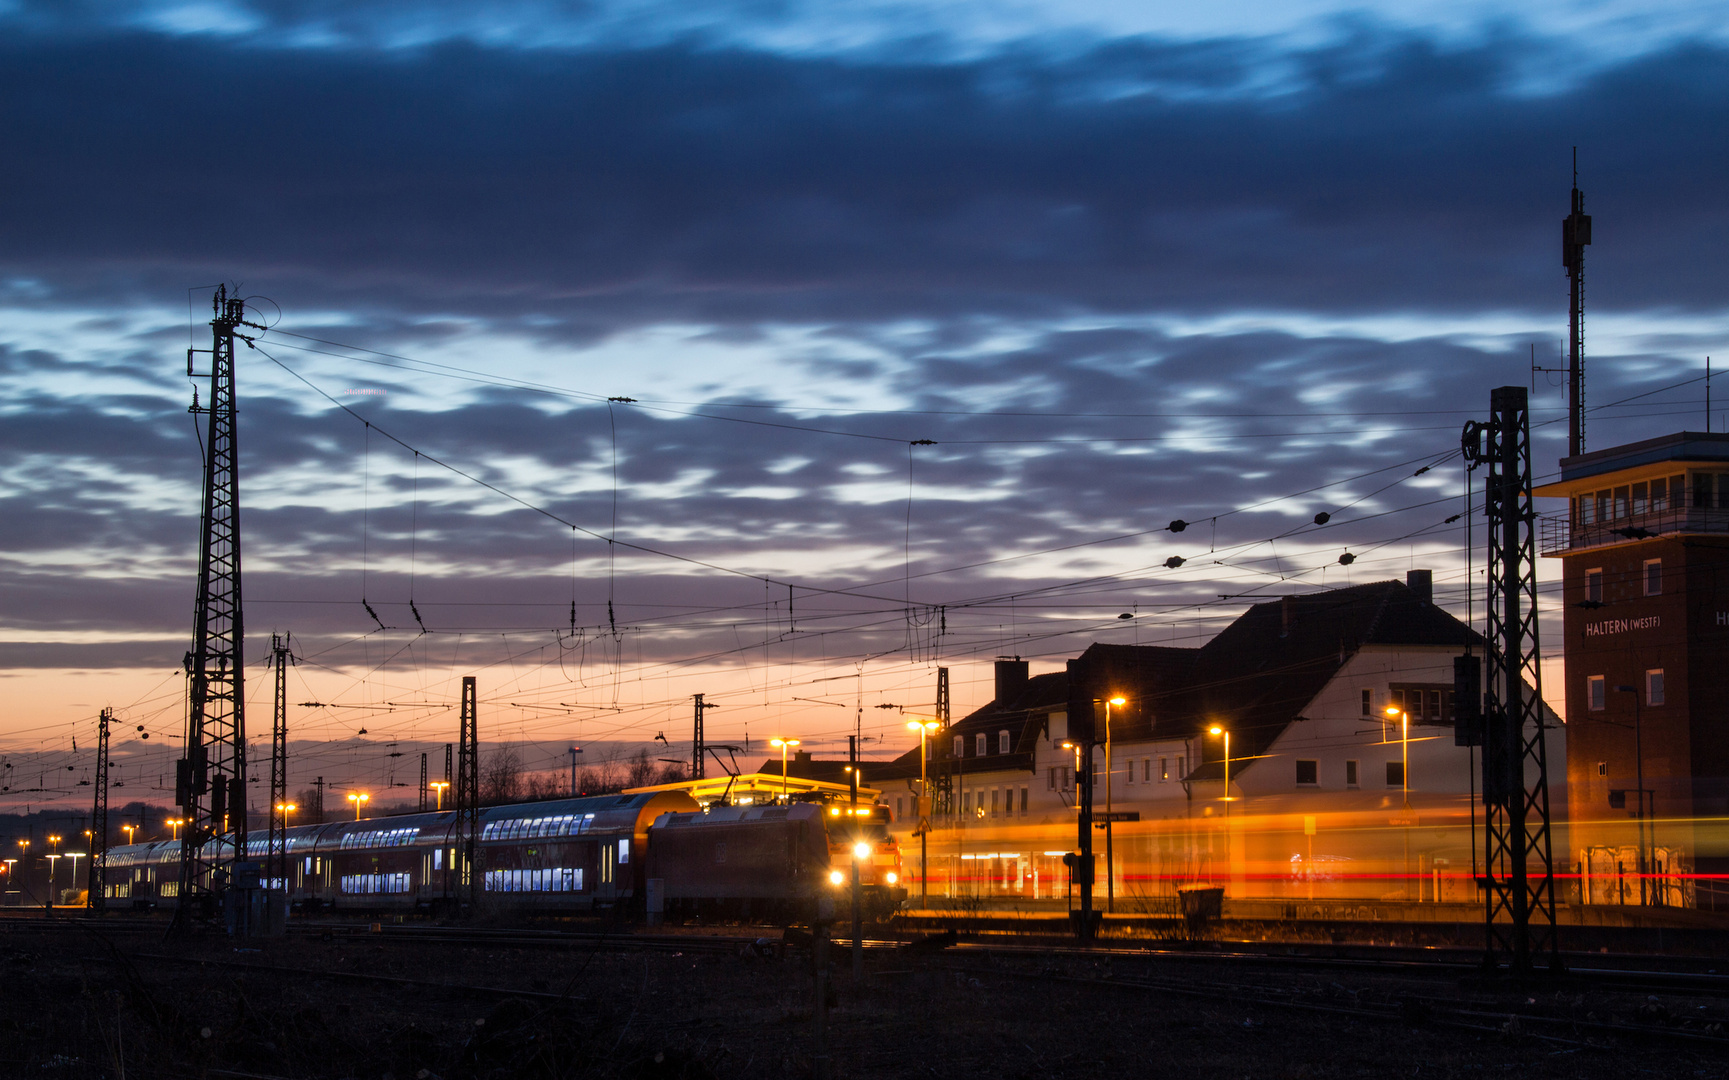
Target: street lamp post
1110 861
75 856
924 728
784 745
175 823
1405 785
359 799
51 881
1639 767
130 831
438 786
1217 730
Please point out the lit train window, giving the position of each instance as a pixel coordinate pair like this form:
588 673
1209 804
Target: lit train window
623 852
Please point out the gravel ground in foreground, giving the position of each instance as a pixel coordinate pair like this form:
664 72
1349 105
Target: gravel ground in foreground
82 1006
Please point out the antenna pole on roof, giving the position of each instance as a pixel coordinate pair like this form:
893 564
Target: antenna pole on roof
1575 235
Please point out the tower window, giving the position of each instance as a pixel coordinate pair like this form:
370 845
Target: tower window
1596 693
1594 585
1654 686
1653 577
1308 772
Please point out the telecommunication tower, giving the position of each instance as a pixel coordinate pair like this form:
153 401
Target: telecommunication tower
210 781
1575 234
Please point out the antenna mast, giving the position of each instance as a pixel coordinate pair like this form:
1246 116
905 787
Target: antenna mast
1575 234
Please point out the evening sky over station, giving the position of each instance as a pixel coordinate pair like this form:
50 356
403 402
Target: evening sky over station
1120 264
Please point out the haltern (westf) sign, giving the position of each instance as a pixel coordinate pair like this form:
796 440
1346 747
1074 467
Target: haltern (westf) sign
1623 626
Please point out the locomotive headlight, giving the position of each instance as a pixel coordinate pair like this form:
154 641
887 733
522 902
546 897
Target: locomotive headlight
835 877
892 877
861 850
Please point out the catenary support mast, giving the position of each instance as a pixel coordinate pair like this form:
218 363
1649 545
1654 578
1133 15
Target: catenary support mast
276 851
95 898
468 798
210 781
1518 865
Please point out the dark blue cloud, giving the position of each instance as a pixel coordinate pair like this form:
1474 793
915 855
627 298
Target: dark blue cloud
611 188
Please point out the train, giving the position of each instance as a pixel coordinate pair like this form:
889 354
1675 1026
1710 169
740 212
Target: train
565 856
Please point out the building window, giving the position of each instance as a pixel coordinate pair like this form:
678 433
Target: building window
1146 770
1654 686
1703 490
960 746
898 811
1164 769
1396 774
1653 577
1594 586
1181 771
1308 772
1350 774
996 798
966 802
1596 693
1602 768
1129 773
1002 742
1368 703
1641 498
979 745
1023 798
1051 778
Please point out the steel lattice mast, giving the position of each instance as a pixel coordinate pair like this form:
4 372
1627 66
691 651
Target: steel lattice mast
95 898
468 797
210 781
1518 867
276 851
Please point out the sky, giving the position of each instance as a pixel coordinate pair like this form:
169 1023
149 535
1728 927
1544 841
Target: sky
931 317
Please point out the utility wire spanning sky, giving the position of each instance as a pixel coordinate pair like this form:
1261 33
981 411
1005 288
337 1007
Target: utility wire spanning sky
932 317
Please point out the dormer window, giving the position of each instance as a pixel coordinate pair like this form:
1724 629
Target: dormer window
979 745
1002 742
960 746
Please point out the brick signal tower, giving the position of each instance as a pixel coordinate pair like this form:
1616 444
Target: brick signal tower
1644 550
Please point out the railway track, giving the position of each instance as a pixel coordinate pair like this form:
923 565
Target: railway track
1555 1021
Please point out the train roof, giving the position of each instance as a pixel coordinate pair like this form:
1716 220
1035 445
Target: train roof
731 815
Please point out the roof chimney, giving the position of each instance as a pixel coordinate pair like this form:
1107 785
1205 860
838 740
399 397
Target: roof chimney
1011 680
1421 582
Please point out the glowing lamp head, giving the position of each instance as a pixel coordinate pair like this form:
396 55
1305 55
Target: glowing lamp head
1215 730
891 877
1392 710
861 850
1119 700
835 877
834 811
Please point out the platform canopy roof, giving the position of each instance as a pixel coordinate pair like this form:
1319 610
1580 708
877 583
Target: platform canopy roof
759 787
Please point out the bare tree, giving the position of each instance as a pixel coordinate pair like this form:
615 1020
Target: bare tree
544 785
642 770
501 777
671 773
